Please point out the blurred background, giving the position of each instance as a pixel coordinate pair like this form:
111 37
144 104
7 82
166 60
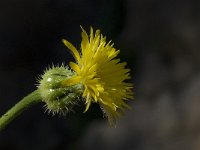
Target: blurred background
160 40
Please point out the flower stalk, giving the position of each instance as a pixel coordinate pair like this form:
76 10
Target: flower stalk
31 99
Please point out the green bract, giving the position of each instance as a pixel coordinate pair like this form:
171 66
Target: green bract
59 99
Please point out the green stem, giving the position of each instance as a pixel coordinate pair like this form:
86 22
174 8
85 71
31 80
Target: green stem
32 98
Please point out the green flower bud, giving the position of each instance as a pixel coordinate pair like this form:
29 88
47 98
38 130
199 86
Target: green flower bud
58 98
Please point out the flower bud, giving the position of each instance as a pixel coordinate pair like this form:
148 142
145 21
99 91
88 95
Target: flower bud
58 98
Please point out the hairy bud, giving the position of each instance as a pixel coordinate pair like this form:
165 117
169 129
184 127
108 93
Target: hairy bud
58 98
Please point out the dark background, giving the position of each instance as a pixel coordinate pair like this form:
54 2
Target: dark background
160 40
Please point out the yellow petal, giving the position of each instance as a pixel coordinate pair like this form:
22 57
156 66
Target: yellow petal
91 35
73 49
88 102
75 67
85 40
71 81
92 69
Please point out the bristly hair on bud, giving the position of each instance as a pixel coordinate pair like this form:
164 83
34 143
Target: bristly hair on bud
59 99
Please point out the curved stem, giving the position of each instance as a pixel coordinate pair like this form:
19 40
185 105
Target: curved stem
32 98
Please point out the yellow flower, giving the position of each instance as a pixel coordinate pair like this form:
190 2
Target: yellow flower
102 75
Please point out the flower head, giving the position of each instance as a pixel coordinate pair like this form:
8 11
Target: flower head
102 75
